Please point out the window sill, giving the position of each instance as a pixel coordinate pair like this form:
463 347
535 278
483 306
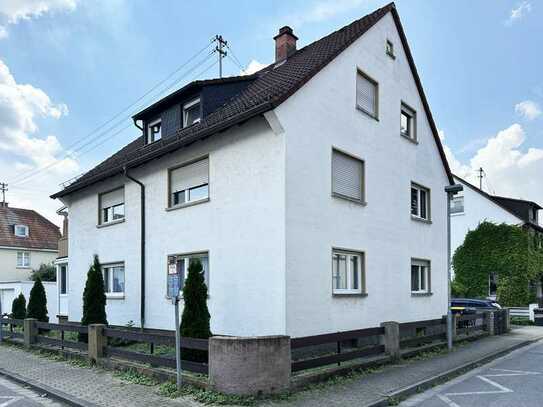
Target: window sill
458 214
187 204
114 296
374 117
347 198
349 294
422 220
23 267
63 295
422 294
412 140
113 222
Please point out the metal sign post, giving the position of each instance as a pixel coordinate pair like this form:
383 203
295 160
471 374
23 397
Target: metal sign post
1 319
174 286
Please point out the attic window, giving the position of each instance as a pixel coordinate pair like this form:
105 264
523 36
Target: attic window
154 131
191 113
21 230
390 49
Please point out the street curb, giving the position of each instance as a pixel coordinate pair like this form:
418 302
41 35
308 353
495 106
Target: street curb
50 391
407 391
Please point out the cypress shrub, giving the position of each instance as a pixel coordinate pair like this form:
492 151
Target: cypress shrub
18 307
195 318
37 303
94 298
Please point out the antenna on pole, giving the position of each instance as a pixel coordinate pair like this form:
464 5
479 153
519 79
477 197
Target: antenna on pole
3 189
480 176
219 49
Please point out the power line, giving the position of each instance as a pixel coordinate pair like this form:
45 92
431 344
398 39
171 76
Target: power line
221 43
179 68
235 58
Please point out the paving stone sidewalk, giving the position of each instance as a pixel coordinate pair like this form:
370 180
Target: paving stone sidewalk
92 385
371 389
100 387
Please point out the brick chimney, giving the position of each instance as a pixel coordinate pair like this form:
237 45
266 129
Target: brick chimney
285 43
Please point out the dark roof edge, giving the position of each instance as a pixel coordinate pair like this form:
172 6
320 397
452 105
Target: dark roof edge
425 103
193 84
488 196
181 142
518 200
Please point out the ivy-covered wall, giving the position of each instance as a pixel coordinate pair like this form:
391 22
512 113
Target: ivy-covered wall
515 254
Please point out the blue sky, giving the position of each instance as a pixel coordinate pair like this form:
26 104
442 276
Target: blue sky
74 64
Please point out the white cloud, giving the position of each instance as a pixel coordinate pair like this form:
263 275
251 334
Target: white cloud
528 109
322 10
517 13
511 169
21 148
254 66
13 11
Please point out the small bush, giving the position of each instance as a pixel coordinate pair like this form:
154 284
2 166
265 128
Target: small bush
18 307
94 298
37 303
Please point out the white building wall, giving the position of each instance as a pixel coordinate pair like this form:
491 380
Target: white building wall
8 262
477 209
242 228
11 289
322 115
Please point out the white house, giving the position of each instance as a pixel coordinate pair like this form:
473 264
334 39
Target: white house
473 206
9 290
312 191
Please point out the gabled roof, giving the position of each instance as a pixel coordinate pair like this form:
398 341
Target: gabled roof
271 86
43 234
502 202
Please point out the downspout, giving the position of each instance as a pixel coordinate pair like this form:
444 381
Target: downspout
142 248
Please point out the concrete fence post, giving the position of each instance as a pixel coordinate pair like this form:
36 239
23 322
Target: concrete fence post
30 331
455 326
507 320
249 366
97 341
392 339
489 320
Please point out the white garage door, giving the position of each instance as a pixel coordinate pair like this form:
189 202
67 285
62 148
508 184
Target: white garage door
6 298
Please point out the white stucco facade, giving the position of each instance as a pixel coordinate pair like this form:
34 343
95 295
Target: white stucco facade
271 222
9 290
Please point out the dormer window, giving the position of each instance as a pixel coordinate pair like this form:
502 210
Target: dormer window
191 113
154 131
21 230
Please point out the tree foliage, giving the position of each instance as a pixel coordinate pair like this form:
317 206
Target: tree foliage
195 318
46 272
94 297
511 252
18 307
37 303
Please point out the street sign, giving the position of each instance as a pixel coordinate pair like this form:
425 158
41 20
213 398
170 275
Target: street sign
174 286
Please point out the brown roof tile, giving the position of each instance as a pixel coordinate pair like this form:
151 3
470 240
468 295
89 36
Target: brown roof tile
42 234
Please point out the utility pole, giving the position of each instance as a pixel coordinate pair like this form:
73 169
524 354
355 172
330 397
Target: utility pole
219 49
480 176
3 188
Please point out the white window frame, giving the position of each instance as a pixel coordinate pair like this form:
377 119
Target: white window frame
25 227
389 48
101 209
23 259
424 270
108 283
361 272
186 257
417 215
63 291
151 137
411 122
458 197
362 74
188 201
187 106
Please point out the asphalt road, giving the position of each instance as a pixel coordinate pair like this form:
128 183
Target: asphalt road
15 395
513 380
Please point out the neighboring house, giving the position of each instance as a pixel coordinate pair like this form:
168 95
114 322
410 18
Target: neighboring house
474 206
11 289
62 268
311 191
27 240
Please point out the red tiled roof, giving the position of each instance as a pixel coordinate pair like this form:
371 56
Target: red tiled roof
42 234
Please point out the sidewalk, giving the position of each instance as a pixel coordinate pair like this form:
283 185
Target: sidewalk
91 387
375 389
80 386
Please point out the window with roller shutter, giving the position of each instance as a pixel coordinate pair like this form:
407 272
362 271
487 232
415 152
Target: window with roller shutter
347 176
189 183
111 206
367 94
